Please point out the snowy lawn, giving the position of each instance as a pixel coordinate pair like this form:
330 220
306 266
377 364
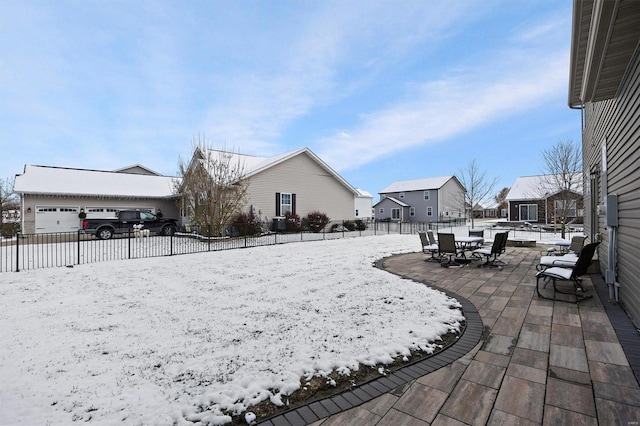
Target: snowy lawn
192 338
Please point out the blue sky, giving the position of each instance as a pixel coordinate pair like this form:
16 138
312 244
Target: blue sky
381 90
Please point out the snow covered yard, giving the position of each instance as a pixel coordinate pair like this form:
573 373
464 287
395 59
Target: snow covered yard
192 338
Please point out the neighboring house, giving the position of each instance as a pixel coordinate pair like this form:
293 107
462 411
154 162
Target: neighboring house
605 83
493 211
438 199
297 182
533 199
364 205
52 197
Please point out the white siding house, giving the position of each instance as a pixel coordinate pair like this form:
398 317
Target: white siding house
52 197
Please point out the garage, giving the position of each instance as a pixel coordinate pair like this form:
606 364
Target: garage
57 219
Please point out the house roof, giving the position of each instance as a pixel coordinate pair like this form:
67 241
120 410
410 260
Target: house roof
418 184
254 165
364 194
394 200
604 37
84 182
537 187
135 169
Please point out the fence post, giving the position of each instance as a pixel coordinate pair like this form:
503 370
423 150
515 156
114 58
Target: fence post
171 245
78 247
209 237
17 252
129 242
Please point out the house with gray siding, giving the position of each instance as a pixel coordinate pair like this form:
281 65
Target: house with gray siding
438 199
604 84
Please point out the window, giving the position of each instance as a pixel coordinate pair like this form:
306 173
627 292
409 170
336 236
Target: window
529 212
395 214
412 211
427 195
381 211
285 204
402 195
429 211
357 213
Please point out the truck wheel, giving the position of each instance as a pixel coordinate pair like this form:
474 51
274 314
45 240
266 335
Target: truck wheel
168 230
104 233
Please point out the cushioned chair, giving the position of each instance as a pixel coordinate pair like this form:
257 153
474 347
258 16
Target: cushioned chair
495 250
428 247
447 247
567 261
575 247
476 233
573 275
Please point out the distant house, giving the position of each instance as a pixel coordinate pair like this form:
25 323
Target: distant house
604 82
52 197
296 182
364 205
423 200
532 199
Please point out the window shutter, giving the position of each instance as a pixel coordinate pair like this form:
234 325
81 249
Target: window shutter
277 204
293 203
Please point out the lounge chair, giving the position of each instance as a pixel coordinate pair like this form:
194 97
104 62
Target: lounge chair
447 247
495 250
575 247
476 232
567 261
573 275
428 247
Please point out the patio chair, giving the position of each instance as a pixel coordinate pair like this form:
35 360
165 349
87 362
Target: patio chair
428 247
503 249
495 250
573 275
476 232
567 261
577 242
447 247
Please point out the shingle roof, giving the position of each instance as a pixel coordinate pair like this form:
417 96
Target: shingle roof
417 185
67 181
537 187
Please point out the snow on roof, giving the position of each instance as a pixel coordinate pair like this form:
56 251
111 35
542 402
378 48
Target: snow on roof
537 187
393 200
364 194
254 165
417 184
65 181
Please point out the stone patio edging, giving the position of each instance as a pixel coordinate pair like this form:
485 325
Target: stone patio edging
368 391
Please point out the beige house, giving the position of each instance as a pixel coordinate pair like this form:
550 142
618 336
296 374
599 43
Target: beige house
53 197
298 182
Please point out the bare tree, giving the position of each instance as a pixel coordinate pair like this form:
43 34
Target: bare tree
478 185
501 198
213 186
8 201
562 180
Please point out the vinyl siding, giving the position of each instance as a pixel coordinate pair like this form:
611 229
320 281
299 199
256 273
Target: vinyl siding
315 189
616 122
169 207
451 200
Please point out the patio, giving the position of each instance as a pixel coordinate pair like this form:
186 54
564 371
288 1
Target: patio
522 360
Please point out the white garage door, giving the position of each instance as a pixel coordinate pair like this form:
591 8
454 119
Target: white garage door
57 219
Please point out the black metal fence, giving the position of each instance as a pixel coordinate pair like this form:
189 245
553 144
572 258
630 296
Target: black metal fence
34 251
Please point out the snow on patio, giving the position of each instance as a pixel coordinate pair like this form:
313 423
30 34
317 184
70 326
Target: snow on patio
155 341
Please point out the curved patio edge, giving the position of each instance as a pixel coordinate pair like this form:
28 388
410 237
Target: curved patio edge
320 409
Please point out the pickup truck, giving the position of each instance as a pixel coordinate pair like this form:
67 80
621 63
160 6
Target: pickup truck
123 224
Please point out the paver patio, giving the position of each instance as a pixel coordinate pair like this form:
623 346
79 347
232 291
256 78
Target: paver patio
536 361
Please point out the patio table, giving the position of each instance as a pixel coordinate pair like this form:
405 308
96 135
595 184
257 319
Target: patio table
469 243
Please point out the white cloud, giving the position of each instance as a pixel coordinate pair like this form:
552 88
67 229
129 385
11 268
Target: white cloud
450 106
